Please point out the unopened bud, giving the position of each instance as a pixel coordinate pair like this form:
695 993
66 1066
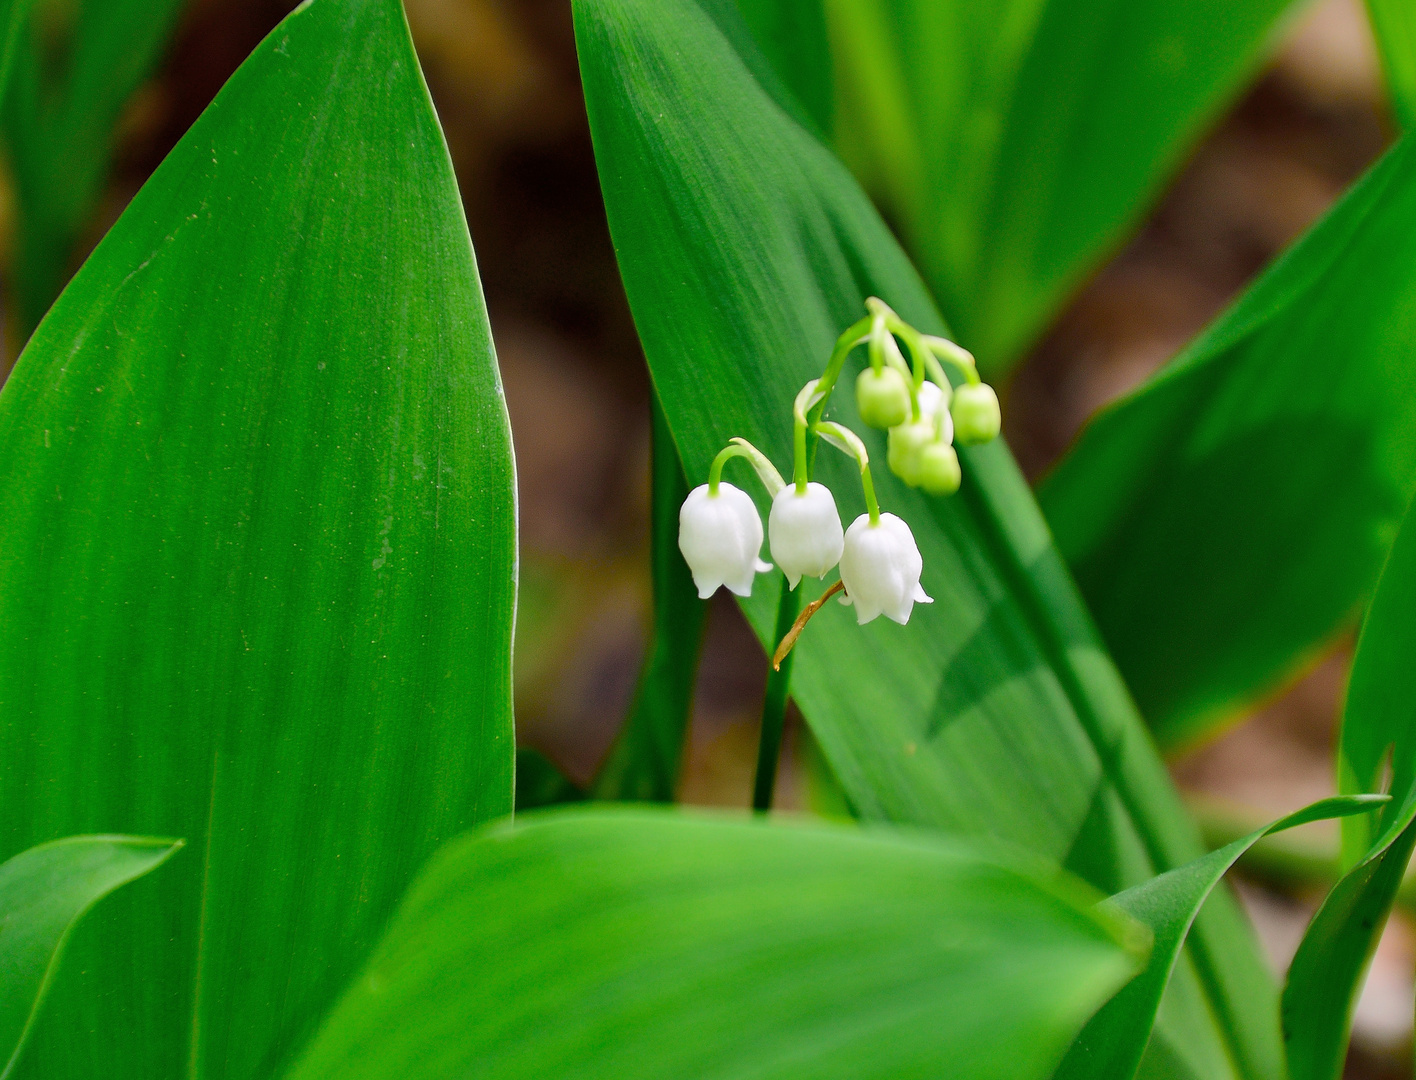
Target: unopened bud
977 418
883 397
939 472
906 442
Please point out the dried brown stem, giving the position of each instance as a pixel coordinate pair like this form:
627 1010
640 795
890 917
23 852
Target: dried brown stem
800 624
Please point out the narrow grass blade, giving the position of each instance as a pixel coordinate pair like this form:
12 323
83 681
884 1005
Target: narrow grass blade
1378 726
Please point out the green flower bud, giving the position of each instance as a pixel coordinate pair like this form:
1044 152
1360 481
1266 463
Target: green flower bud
939 472
883 397
975 412
907 442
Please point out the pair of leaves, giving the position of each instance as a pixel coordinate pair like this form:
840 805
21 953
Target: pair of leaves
745 248
1017 142
257 545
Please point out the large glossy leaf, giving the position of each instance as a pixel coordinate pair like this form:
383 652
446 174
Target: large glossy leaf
257 542
1394 25
1017 141
75 70
1225 521
1111 1045
1378 730
746 248
43 892
650 946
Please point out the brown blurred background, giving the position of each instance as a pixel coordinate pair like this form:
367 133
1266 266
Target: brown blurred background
503 75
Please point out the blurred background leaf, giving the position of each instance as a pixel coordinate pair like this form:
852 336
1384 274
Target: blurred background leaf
1225 521
1394 22
647 755
75 71
1378 733
746 248
1017 143
257 545
653 946
43 892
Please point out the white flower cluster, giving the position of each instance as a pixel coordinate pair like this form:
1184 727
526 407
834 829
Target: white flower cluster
720 532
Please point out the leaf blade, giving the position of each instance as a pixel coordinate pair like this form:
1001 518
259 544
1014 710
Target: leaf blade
259 536
44 891
1112 1043
667 945
1327 970
1255 483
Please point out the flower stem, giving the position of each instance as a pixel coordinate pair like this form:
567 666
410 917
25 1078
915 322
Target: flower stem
774 707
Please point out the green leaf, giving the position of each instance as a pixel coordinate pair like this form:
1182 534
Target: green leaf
636 944
1226 521
746 248
1111 1045
257 543
75 70
646 757
1378 728
43 892
1018 142
1394 26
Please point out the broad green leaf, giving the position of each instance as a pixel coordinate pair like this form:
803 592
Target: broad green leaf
1378 729
746 248
1226 520
1111 1045
257 543
74 72
1394 26
642 945
43 892
1017 142
645 760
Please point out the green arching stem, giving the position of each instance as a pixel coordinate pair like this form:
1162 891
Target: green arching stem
877 342
869 487
739 447
801 463
848 442
957 355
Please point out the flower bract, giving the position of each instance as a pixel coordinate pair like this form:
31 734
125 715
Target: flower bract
880 567
720 536
805 532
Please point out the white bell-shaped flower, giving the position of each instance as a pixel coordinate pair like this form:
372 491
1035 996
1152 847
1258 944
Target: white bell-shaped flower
805 532
880 567
720 537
